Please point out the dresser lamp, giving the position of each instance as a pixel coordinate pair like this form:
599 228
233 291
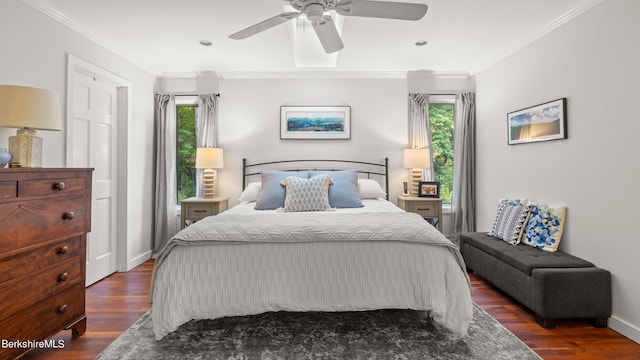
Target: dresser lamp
209 159
28 109
416 160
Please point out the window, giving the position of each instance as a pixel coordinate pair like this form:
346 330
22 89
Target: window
441 113
186 146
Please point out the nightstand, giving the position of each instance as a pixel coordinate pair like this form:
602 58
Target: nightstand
428 208
196 208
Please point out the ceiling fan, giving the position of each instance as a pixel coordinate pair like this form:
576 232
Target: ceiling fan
323 24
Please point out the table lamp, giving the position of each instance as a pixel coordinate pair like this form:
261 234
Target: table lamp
209 159
28 109
416 160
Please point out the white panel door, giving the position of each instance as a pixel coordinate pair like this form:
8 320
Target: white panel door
92 128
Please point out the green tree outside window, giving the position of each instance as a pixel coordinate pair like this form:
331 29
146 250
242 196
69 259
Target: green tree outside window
441 118
186 152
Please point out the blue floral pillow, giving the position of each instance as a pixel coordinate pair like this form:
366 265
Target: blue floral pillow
545 226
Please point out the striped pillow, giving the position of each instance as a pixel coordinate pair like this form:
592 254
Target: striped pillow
510 221
307 194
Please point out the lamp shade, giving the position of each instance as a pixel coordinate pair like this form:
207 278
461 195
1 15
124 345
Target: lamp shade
209 158
416 158
27 107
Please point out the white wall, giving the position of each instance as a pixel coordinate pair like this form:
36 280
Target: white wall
592 61
34 53
249 124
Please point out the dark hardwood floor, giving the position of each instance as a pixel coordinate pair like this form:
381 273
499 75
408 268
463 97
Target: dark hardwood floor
116 302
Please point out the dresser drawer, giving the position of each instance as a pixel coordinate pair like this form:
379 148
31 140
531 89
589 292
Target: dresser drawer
23 263
22 293
8 189
60 186
199 211
43 319
32 222
424 209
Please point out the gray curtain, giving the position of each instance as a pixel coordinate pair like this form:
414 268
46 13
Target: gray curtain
206 120
420 128
166 223
463 204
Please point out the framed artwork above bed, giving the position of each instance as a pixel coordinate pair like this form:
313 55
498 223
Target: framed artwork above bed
315 122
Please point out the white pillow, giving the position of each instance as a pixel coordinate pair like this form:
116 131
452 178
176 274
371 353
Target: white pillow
251 192
370 189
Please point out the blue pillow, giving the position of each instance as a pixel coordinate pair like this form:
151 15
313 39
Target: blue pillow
272 193
344 191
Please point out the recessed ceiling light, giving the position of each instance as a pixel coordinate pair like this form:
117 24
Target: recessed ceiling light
421 43
205 42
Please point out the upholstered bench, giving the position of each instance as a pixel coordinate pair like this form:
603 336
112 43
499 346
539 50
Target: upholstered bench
554 285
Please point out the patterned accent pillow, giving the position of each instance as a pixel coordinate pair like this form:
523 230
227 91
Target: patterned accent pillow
272 194
510 221
307 194
545 226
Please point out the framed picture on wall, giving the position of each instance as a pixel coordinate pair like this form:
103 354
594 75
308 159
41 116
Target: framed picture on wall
315 122
429 189
542 122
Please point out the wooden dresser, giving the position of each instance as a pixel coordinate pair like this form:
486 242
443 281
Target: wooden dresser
45 215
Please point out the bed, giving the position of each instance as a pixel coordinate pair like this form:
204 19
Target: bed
254 258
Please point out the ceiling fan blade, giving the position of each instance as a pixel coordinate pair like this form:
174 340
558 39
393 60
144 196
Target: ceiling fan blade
328 35
382 9
264 25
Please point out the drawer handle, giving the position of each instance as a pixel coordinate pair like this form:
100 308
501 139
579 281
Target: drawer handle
62 309
64 276
63 250
199 211
424 209
68 215
60 185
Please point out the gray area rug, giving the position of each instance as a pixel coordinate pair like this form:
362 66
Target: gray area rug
380 334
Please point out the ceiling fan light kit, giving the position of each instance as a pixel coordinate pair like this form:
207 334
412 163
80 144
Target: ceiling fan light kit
323 25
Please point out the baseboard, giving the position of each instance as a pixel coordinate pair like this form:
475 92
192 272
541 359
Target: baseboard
625 329
139 260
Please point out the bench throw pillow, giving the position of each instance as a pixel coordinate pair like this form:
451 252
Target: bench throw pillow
510 221
545 226
307 194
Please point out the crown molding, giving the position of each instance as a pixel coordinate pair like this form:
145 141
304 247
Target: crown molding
563 18
313 74
339 75
549 27
50 10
